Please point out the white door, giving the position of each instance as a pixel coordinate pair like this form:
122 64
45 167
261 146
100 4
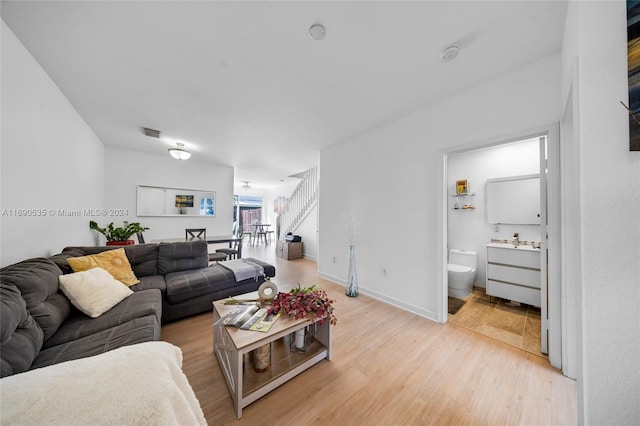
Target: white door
550 333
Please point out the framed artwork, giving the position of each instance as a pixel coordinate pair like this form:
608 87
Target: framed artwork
184 200
207 206
633 65
462 186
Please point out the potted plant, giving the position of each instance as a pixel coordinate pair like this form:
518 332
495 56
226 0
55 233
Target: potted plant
118 236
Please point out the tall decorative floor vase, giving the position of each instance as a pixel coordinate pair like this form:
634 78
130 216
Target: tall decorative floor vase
352 279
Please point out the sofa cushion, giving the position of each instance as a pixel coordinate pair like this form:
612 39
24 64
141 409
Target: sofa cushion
142 257
20 335
139 330
139 304
60 259
93 292
151 281
182 256
185 285
200 304
37 280
114 261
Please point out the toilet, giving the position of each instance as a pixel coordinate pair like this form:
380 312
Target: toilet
462 269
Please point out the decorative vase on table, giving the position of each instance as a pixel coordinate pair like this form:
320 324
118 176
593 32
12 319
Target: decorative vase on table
262 358
299 340
302 338
352 279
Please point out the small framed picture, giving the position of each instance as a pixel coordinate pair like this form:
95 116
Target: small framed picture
462 186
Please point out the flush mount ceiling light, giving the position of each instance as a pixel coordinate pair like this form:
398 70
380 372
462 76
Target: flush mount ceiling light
179 153
450 53
317 32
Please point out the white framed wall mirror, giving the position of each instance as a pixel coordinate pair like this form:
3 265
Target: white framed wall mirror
514 200
162 201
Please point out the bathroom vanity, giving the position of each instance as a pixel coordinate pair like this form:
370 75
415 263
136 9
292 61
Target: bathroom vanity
514 272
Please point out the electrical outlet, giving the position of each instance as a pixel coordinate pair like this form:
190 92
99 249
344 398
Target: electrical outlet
333 259
385 272
497 228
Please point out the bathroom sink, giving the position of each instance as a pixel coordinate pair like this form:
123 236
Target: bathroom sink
523 245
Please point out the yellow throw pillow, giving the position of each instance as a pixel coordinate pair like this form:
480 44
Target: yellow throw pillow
114 261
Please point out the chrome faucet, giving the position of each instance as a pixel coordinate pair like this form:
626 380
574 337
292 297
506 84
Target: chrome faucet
516 239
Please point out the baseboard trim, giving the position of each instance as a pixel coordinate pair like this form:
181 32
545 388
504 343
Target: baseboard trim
425 313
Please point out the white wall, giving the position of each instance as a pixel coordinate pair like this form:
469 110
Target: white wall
388 180
469 229
50 160
308 230
608 389
125 170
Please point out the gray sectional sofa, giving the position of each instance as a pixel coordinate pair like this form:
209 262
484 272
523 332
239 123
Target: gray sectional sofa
40 327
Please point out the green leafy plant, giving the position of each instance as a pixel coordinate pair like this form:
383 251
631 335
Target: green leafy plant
118 234
305 302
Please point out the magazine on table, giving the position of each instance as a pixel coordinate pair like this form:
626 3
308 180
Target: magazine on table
249 318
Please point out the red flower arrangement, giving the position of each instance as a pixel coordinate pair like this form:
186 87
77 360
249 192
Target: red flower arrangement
305 302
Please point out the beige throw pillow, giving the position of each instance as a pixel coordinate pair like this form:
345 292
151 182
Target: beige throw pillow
94 292
114 261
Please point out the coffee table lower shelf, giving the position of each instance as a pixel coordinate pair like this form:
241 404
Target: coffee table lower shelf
246 385
283 362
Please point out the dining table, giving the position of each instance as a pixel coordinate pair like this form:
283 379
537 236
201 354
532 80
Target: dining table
260 231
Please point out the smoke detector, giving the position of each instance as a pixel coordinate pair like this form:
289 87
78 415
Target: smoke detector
450 53
317 32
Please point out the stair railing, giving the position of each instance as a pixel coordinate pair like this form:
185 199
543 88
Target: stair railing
300 203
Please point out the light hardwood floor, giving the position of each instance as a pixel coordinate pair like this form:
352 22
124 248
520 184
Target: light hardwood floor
389 367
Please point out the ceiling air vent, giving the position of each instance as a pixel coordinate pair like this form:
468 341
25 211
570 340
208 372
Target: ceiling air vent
151 133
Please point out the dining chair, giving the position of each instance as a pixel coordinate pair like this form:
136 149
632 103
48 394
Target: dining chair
253 234
262 234
270 235
195 234
192 234
140 238
234 251
246 231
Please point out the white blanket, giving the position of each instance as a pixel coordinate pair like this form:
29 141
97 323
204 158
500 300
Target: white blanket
243 269
140 384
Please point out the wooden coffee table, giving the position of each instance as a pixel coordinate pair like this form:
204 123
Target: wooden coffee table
230 344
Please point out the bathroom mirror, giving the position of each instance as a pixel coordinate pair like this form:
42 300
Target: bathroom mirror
161 201
514 200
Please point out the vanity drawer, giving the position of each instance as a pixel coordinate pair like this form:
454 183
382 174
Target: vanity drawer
514 275
515 293
519 257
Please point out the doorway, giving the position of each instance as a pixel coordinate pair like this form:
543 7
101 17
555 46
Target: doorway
247 209
469 229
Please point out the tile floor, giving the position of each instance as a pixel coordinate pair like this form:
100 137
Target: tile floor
502 320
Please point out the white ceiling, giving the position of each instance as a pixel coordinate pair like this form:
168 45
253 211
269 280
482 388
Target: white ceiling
243 84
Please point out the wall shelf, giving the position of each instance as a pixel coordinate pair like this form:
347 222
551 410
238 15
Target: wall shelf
463 206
